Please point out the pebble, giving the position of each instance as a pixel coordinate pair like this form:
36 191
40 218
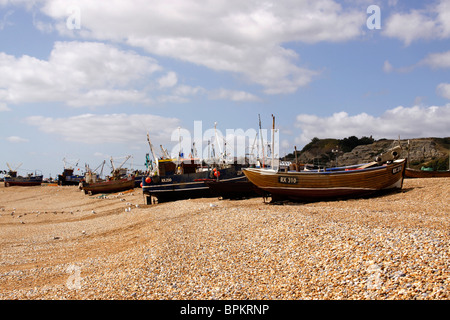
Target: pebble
396 246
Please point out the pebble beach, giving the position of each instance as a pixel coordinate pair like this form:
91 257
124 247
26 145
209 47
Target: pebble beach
58 243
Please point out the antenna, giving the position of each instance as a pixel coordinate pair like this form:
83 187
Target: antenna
262 141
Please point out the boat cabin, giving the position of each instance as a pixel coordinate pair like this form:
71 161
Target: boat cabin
169 167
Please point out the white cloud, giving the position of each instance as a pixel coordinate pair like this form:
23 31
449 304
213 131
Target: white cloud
430 23
437 60
169 80
440 60
387 67
242 37
443 89
4 21
102 97
232 95
4 107
411 122
75 72
106 128
16 139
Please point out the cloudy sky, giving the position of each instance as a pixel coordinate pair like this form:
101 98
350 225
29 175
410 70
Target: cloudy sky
86 80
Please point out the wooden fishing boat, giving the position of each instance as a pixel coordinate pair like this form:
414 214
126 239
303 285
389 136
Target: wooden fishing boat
426 172
415 173
334 183
118 181
109 186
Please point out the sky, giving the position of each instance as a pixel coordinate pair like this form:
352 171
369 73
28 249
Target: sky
87 80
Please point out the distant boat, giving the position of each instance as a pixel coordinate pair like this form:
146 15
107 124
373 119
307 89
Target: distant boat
109 186
12 179
415 173
425 172
116 183
67 177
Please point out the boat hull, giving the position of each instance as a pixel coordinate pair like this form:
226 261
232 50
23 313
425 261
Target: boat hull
23 181
235 188
69 180
315 186
109 186
175 187
412 173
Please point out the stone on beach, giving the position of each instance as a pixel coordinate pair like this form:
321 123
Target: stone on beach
396 246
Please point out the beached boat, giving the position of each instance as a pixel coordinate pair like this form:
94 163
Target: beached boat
190 179
234 186
67 177
118 181
415 173
239 188
12 179
426 172
173 179
109 186
386 173
176 181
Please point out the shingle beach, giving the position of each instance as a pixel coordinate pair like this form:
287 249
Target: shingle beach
58 243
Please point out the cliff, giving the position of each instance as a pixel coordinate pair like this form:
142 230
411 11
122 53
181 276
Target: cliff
428 152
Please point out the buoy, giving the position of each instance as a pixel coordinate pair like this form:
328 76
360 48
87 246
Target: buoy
148 180
141 184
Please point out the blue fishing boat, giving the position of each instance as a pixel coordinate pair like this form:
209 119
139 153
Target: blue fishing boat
176 181
12 179
31 179
67 178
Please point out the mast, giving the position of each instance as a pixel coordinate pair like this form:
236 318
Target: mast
153 154
179 149
253 148
262 141
217 142
273 141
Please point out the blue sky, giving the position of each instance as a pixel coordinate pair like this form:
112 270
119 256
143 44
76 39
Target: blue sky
86 80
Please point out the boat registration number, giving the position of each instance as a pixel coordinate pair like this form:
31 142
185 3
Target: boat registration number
396 170
166 180
288 180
